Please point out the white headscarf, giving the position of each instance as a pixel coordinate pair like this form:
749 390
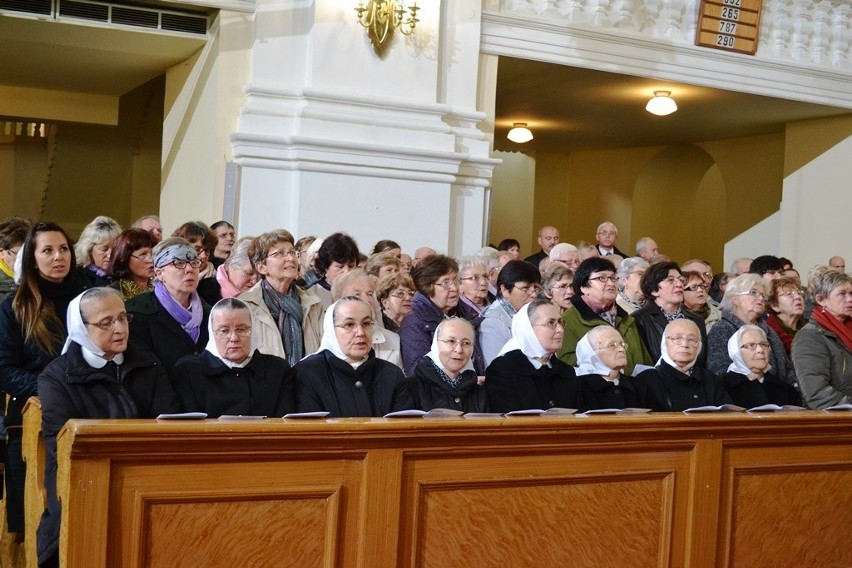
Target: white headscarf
329 335
211 342
523 336
79 334
588 361
735 353
435 356
664 350
18 266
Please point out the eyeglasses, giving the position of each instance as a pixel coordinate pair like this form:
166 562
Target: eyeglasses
181 264
754 294
449 284
553 324
696 287
604 279
292 253
565 286
453 343
248 272
403 294
225 332
529 289
108 323
614 346
799 293
15 252
147 257
674 280
684 339
608 233
476 278
754 346
199 251
351 326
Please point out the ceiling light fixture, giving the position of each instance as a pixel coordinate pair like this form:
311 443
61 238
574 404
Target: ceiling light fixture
520 133
661 104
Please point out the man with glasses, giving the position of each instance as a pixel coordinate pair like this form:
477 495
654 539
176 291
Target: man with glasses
594 303
606 236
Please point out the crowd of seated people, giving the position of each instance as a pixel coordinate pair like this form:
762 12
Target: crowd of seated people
130 324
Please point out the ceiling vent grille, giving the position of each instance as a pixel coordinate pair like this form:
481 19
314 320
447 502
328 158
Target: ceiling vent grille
27 6
183 23
84 10
135 17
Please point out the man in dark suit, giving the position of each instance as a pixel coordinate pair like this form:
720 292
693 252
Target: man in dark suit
606 235
547 237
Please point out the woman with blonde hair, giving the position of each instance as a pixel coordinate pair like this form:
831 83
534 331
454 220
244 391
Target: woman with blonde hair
94 250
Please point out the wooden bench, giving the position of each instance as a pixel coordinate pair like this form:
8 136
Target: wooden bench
35 497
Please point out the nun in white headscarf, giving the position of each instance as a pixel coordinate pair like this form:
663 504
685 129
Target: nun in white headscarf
750 381
527 374
601 360
445 376
676 383
344 378
97 376
231 377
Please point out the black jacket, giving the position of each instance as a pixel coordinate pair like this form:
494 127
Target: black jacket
430 391
91 279
154 330
597 393
264 387
70 388
652 322
749 394
674 391
326 383
513 383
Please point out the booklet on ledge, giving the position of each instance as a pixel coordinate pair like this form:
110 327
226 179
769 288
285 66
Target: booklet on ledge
720 408
183 416
240 417
846 406
618 411
317 414
776 408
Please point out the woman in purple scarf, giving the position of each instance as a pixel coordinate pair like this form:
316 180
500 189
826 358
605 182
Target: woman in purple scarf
171 321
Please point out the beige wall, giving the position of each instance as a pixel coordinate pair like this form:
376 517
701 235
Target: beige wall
511 205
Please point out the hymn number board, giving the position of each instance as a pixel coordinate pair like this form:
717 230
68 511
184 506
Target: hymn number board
732 25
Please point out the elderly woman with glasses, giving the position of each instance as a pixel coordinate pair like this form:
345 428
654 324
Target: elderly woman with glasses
629 277
436 278
594 304
786 306
695 299
445 377
744 302
822 350
287 319
662 286
557 285
97 376
750 381
132 262
337 255
676 383
473 275
345 378
231 377
601 360
518 283
204 241
394 295
527 374
235 275
93 251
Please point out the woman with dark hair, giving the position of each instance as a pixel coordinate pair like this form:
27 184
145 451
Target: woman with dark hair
595 292
32 331
93 251
226 237
436 278
231 376
171 320
394 295
662 286
132 262
96 376
786 306
527 374
204 241
518 283
695 299
387 245
511 246
338 255
13 231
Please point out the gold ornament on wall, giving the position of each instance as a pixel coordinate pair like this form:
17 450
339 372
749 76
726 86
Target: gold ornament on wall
382 17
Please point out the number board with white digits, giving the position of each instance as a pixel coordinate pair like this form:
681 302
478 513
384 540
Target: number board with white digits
732 25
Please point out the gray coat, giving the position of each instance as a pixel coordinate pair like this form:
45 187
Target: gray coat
823 366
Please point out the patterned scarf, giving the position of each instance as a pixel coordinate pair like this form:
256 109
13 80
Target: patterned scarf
454 383
286 310
632 303
675 316
606 313
129 289
703 311
189 320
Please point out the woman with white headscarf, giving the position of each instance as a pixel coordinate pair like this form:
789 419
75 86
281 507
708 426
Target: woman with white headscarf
97 376
231 376
445 377
601 360
526 374
676 381
344 378
750 381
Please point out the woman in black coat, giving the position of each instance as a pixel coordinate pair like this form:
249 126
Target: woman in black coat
344 377
171 321
676 383
749 380
526 374
445 377
96 376
231 376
